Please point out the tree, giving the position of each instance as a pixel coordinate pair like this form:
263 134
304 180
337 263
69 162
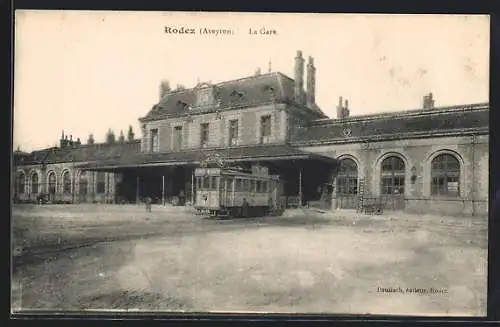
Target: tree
130 134
121 138
90 140
110 137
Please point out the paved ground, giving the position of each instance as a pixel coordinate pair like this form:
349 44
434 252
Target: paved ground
120 257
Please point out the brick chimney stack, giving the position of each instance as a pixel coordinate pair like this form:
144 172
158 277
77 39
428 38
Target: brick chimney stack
343 109
299 78
61 141
311 82
428 102
164 88
339 108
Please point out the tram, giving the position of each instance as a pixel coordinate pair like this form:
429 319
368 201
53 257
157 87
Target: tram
226 192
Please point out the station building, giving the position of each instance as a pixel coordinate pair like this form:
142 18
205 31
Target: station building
426 160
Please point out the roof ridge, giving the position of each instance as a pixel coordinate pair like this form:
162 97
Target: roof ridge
405 113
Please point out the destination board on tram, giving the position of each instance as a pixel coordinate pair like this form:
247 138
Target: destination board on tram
206 171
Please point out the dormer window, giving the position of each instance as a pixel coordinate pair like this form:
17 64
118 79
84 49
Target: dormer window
183 104
270 90
237 94
156 108
205 96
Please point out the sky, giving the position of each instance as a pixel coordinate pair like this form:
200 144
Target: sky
87 71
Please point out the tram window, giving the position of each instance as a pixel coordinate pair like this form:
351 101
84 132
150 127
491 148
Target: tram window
258 186
246 185
230 184
264 187
213 183
238 187
198 182
206 183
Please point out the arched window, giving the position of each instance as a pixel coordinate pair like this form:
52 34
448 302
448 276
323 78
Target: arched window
66 182
445 173
34 183
392 177
347 178
101 182
83 183
52 183
21 183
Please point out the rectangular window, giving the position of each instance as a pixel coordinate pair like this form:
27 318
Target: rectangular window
154 140
233 132
265 129
177 138
206 183
264 187
204 127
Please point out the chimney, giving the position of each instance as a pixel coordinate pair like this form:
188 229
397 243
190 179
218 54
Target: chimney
428 101
299 77
343 109
339 109
61 141
164 88
311 82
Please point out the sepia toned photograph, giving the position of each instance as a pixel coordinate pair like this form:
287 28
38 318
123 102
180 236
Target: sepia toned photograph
179 162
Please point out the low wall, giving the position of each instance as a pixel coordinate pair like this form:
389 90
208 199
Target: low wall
449 207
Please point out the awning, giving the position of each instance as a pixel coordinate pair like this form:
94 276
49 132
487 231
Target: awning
190 157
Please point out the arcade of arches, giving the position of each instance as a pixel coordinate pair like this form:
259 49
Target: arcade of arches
395 177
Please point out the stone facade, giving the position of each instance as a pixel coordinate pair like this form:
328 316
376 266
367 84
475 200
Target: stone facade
472 153
80 188
248 129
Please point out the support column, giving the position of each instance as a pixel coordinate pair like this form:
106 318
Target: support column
192 187
334 192
163 190
300 187
137 195
92 185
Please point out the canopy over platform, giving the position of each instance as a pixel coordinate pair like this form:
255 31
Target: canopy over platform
197 156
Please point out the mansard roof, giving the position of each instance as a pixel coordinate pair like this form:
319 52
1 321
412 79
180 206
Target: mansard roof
84 152
473 118
459 120
244 92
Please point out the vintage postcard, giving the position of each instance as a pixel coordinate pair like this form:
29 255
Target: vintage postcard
250 163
